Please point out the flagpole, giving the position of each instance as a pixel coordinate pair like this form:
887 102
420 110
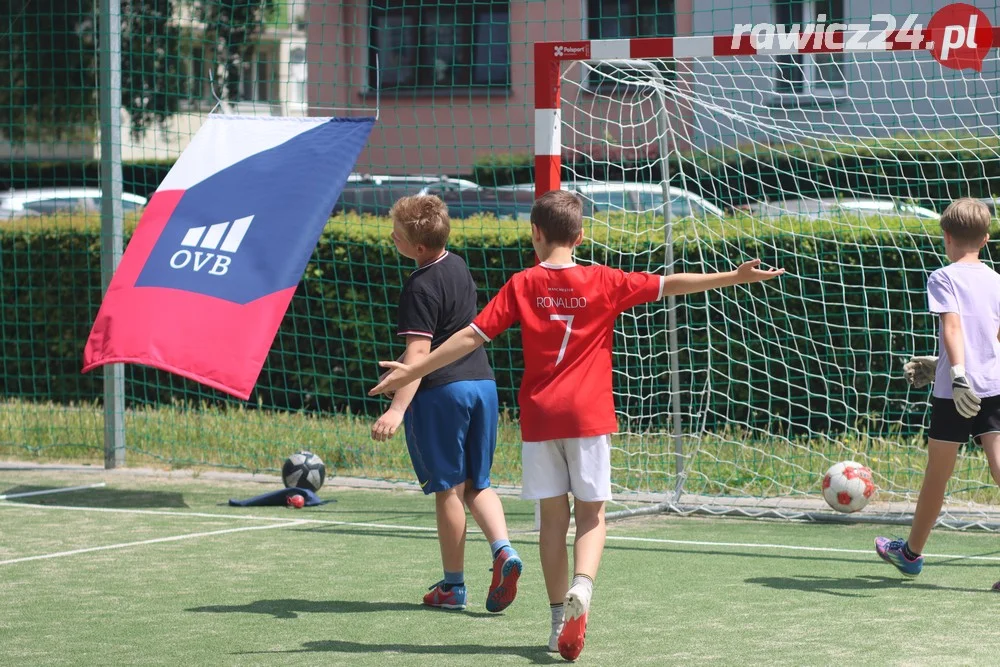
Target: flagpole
110 104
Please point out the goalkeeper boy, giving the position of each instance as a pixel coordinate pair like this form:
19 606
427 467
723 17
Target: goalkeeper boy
966 373
567 314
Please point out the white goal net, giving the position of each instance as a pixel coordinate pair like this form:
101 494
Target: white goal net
833 166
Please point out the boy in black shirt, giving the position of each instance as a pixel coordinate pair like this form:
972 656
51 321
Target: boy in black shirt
451 415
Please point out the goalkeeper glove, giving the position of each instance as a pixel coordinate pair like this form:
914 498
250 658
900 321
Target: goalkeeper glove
919 371
966 402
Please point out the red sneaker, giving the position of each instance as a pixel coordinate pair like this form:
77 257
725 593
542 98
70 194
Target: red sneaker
571 638
574 628
507 568
454 598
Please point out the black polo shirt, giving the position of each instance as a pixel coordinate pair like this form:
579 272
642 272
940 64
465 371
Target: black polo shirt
438 300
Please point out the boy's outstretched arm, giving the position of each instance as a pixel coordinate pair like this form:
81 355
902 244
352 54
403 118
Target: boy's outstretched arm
460 344
689 283
417 347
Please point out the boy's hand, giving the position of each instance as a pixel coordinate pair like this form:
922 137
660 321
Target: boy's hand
749 273
388 394
386 425
966 402
919 371
400 376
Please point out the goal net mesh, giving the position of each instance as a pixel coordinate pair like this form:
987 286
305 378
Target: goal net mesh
830 166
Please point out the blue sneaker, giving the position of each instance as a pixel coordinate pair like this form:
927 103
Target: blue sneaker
507 568
452 598
891 551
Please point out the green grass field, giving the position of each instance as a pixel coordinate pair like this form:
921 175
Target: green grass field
84 581
730 463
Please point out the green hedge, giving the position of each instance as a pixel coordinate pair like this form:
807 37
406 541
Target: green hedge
931 170
819 349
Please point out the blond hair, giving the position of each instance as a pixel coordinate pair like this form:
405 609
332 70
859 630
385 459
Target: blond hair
967 220
558 214
424 220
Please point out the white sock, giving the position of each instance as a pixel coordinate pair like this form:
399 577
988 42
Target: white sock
557 615
585 582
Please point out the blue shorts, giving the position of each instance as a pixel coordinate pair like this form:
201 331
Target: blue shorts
451 432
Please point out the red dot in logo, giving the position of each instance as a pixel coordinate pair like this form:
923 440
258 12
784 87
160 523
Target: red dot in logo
960 36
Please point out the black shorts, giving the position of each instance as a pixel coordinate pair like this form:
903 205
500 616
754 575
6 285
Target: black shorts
949 426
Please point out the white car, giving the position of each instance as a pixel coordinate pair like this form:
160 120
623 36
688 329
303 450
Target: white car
643 197
602 197
53 201
820 208
428 181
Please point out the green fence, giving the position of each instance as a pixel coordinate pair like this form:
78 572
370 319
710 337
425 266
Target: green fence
777 381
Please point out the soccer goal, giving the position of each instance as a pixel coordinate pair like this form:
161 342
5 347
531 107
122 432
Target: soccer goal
830 162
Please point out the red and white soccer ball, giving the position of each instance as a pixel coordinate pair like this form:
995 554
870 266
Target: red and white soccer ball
848 486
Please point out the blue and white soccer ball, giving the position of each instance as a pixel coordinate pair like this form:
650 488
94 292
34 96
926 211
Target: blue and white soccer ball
304 470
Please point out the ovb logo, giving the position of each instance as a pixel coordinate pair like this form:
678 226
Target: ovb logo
220 238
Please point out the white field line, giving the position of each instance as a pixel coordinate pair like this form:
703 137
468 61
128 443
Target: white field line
48 491
430 529
125 545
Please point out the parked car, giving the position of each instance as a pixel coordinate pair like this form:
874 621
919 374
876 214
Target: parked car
992 203
602 197
375 194
50 201
503 204
642 197
820 208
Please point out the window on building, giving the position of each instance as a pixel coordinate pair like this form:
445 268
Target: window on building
811 73
624 19
431 43
258 83
297 75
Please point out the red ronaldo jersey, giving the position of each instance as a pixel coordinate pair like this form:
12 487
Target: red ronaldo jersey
567 314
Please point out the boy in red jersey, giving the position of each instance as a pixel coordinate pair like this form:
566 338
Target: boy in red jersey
567 314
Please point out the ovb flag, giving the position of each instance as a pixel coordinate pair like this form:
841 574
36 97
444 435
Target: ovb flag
213 264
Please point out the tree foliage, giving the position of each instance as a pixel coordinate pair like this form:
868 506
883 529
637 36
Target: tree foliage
49 60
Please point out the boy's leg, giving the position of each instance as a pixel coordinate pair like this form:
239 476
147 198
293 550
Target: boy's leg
947 432
991 446
451 527
554 517
587 550
589 463
591 533
552 546
450 592
941 458
435 428
487 511
482 501
480 445
906 556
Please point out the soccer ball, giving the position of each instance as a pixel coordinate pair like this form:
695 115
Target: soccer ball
304 470
848 486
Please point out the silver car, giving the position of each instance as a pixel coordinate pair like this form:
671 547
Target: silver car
612 196
54 201
825 208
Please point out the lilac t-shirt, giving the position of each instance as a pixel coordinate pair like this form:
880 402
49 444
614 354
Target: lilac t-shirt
972 290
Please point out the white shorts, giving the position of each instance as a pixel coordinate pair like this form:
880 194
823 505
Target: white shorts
578 465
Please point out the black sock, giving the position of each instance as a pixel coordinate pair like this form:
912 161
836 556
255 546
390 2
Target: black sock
908 553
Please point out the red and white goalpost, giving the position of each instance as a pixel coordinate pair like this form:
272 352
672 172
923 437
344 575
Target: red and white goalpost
717 394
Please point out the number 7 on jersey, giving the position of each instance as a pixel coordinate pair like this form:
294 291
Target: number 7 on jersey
568 319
